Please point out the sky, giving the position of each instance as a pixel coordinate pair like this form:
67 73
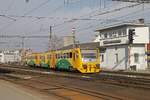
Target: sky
34 17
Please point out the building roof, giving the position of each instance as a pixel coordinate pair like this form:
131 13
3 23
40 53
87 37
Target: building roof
119 25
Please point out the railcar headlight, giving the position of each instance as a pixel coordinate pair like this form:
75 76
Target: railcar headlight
84 66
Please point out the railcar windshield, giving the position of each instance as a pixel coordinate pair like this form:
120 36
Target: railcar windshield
89 55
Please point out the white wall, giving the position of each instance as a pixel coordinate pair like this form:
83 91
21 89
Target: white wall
1 58
142 63
141 35
120 42
123 62
110 58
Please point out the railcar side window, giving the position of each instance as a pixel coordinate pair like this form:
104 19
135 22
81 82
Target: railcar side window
70 54
56 55
49 56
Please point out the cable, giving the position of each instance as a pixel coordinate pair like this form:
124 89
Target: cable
32 10
39 6
8 17
138 1
43 17
103 13
116 19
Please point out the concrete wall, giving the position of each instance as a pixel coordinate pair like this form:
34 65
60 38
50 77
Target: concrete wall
124 61
118 55
110 58
140 50
141 34
1 58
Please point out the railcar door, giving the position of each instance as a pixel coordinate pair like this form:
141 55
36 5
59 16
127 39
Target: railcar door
53 61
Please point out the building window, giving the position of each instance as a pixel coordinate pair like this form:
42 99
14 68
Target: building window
116 58
136 57
100 35
114 35
105 35
119 33
110 35
124 33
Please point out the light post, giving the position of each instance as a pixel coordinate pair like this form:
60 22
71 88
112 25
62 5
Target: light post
74 38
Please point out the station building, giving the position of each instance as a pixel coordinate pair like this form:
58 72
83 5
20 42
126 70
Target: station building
116 53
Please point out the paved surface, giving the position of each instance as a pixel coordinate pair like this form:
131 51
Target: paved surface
9 91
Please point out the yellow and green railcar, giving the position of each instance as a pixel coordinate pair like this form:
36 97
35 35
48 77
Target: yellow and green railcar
83 60
31 59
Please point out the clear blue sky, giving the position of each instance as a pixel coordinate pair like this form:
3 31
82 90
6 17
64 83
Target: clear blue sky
56 12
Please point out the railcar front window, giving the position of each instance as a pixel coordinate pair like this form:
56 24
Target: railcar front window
89 55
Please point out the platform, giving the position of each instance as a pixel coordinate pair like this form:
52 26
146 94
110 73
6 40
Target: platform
10 91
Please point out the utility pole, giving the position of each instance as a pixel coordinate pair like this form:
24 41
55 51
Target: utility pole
23 50
74 38
50 37
22 43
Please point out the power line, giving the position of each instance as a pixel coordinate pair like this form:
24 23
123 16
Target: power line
20 36
111 20
114 20
102 13
8 17
137 1
115 10
39 6
28 12
43 17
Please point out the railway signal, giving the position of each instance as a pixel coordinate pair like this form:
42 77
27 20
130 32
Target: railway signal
130 36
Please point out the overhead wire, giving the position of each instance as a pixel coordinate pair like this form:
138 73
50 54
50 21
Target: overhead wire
45 17
103 13
116 19
122 19
70 21
39 6
90 13
28 12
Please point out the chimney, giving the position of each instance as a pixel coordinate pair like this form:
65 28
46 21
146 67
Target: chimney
141 21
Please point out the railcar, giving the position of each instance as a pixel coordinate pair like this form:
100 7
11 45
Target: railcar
82 60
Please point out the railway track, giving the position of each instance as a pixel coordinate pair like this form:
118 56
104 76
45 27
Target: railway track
121 80
37 83
58 86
